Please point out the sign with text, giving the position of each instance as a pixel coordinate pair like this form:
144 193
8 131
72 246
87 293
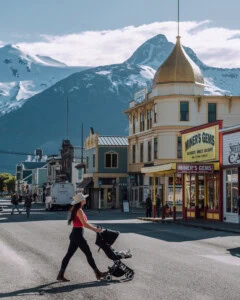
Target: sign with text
140 96
231 149
194 168
200 145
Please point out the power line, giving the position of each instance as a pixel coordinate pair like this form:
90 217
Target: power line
15 153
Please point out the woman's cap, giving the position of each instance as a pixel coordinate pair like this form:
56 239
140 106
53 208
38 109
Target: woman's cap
79 198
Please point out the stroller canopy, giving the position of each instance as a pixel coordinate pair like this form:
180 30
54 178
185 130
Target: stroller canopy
107 236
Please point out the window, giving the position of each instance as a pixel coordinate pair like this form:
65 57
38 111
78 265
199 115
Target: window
133 154
149 119
141 152
155 113
212 112
184 111
93 160
179 147
111 160
134 124
155 148
142 125
232 192
149 151
87 162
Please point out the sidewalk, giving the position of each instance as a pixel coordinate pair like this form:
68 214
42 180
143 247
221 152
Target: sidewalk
204 224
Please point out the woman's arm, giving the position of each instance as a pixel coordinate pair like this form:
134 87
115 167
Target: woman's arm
85 223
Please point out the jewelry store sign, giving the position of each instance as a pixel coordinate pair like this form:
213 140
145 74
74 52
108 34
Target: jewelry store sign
231 149
200 145
194 168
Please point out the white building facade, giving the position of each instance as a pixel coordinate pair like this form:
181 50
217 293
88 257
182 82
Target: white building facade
231 173
176 102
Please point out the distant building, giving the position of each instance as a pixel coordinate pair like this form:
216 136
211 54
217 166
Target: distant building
25 171
106 175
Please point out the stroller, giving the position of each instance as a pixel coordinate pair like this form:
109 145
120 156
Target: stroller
105 240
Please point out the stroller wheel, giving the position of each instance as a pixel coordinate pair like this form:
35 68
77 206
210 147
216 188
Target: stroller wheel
129 275
108 277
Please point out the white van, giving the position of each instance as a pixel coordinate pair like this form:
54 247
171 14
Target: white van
59 195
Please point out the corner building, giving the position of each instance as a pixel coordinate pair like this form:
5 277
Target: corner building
176 103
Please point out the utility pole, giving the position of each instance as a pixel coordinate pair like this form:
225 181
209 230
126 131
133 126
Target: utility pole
82 146
67 116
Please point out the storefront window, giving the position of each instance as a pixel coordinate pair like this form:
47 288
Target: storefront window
190 190
213 191
201 191
231 190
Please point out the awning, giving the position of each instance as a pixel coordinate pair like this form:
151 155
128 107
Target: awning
85 183
160 169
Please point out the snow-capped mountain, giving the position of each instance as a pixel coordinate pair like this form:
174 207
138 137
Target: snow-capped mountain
97 98
218 81
22 76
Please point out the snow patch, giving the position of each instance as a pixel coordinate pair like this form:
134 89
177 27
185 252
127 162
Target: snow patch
103 72
147 72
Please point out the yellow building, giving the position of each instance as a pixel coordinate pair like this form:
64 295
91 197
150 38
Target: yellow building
176 102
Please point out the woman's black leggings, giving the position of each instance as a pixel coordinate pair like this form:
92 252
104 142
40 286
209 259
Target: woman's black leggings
77 240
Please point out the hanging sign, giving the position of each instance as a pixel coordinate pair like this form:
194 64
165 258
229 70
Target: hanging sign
182 168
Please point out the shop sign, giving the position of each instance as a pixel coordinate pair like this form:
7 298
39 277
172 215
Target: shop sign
140 96
231 149
200 145
194 168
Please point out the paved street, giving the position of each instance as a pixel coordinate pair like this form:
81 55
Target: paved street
170 261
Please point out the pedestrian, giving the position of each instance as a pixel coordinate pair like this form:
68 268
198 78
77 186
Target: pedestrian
158 205
19 198
35 197
14 201
148 206
44 197
27 201
77 240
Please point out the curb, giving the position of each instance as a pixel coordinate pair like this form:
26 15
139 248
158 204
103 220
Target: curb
156 220
206 227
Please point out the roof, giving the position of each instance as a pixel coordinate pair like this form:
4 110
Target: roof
30 165
178 68
230 128
112 141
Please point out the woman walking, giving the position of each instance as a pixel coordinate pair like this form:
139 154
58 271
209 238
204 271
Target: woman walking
79 220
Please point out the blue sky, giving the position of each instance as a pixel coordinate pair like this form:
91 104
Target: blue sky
28 17
53 27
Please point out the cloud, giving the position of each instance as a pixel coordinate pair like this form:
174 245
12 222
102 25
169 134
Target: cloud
214 46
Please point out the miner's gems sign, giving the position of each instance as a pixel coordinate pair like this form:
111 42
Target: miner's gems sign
231 149
200 145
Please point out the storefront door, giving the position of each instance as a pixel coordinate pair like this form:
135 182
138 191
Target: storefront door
230 194
195 195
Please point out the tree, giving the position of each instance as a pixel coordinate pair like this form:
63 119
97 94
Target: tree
10 183
7 182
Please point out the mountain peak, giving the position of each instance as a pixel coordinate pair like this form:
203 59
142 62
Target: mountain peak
153 52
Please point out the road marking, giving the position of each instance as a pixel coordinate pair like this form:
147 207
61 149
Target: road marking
226 259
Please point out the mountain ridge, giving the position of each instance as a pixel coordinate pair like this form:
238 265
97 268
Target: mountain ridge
97 98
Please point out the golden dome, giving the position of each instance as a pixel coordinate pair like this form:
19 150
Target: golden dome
179 68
